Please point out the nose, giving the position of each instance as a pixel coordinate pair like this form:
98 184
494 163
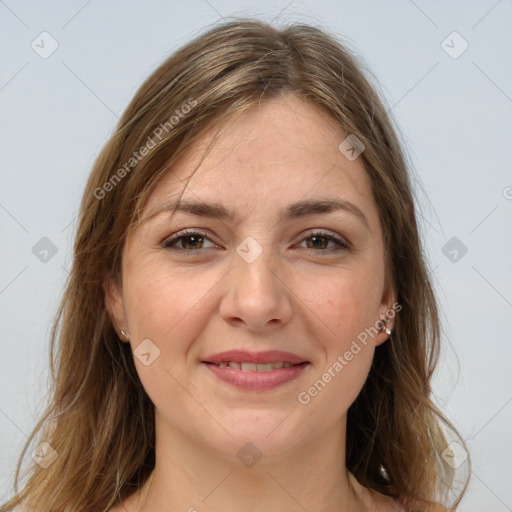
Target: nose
258 298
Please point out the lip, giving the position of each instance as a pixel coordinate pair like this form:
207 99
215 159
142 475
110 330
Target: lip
269 356
254 380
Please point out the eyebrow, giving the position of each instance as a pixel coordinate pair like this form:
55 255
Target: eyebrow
293 211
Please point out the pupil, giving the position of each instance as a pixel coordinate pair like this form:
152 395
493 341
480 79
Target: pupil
194 240
317 239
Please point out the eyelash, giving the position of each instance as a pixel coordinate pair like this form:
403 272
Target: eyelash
171 242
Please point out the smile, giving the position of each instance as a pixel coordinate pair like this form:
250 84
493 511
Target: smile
256 371
254 367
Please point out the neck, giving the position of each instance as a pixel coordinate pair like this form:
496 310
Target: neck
190 477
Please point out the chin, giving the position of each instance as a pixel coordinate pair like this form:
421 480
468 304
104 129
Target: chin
257 433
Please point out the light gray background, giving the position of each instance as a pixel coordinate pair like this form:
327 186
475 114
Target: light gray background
455 115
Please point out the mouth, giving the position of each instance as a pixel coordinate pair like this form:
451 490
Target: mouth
256 370
255 367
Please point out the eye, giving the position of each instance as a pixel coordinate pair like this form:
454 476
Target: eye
191 240
187 240
321 240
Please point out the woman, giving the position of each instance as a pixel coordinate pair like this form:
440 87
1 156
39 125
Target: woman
249 321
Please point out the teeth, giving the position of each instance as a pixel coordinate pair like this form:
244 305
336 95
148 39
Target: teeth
263 367
253 367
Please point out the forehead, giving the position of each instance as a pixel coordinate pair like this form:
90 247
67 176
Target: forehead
278 152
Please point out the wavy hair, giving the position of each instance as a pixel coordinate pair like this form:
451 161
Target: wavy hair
99 419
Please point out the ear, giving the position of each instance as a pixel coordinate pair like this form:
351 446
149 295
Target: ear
388 309
114 304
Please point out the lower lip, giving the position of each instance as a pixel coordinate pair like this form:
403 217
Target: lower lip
257 380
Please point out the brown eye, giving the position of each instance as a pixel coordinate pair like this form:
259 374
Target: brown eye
187 241
191 242
318 242
321 242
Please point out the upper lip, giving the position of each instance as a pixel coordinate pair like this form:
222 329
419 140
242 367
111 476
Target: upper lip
244 356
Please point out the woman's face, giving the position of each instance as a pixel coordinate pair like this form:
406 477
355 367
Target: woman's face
269 270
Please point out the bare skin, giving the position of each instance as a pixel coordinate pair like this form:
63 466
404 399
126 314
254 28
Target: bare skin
303 293
367 500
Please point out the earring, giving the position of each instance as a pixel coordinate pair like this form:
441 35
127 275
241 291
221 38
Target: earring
124 334
383 327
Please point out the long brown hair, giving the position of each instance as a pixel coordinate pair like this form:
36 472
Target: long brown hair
99 419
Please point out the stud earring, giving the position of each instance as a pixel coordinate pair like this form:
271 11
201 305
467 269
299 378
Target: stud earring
383 327
124 334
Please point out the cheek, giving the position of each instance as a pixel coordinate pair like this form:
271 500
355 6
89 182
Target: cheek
342 315
167 305
170 308
343 306
344 302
